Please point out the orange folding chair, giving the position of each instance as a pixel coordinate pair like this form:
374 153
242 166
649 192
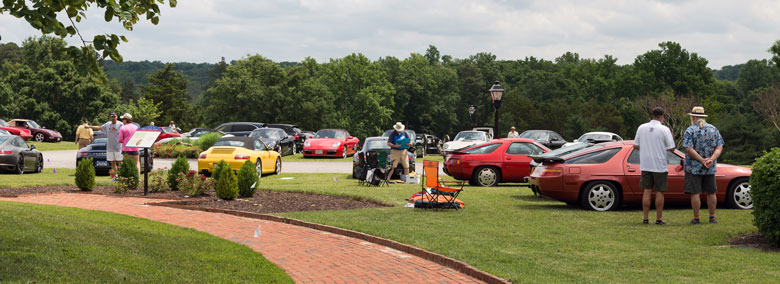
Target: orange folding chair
435 193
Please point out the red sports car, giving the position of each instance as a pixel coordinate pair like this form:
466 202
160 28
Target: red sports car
603 176
331 143
39 133
168 132
24 133
501 160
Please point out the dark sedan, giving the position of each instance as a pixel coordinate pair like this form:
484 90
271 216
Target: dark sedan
293 131
276 139
548 138
380 144
97 151
17 157
239 128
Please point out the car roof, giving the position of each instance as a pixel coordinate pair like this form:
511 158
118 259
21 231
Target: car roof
517 140
332 129
243 122
376 138
281 124
19 119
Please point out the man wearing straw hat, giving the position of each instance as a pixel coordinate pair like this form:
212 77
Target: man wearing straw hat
399 141
703 145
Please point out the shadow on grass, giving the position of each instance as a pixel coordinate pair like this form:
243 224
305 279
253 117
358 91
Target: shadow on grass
557 206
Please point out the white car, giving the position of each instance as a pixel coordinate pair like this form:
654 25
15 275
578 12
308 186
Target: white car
594 137
465 139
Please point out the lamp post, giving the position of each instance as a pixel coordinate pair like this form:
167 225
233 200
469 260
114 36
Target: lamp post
496 91
472 109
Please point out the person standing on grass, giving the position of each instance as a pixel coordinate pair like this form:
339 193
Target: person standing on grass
703 145
84 134
399 141
125 133
653 140
113 148
512 133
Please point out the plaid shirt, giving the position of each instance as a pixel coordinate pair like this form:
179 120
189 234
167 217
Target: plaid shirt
704 140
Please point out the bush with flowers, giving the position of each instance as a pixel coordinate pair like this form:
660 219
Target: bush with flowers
175 149
158 180
194 184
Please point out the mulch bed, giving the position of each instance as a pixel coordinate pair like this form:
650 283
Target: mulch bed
753 240
264 201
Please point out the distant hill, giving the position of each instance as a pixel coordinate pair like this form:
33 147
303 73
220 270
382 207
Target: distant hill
728 72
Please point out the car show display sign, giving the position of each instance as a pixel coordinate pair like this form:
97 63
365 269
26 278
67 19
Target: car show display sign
143 138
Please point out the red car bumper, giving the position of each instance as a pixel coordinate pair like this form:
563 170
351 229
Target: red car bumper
321 152
549 181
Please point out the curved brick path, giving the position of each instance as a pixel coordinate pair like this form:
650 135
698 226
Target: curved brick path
307 255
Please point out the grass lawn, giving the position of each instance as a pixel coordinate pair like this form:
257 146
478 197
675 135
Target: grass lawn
48 146
434 157
46 177
510 233
52 244
299 158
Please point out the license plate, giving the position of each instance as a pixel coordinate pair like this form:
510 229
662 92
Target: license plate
318 152
101 163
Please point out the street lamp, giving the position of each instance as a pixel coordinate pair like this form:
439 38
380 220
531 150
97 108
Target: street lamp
472 109
496 91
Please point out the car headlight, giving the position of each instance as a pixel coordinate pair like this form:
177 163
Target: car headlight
336 144
306 144
446 146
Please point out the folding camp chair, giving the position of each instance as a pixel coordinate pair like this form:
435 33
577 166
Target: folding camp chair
362 168
376 164
435 193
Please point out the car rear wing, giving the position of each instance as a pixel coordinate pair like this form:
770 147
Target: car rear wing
544 159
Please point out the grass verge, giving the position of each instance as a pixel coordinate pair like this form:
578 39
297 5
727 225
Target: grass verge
510 233
49 146
300 158
44 243
47 177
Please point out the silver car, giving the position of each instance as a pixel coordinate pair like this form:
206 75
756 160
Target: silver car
17 157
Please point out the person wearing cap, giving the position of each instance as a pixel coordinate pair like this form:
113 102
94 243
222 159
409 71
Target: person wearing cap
513 133
125 133
653 140
113 148
84 134
703 145
399 142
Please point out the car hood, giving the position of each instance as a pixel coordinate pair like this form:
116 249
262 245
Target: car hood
48 131
323 142
457 145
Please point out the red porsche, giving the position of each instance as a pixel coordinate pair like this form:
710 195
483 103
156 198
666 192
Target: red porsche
330 143
21 132
501 160
603 176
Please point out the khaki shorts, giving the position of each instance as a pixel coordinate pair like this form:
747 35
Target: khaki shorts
114 156
653 180
84 142
700 183
399 155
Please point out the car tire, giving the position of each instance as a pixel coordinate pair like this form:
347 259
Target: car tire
20 166
278 166
39 165
39 137
278 149
344 153
738 196
486 176
600 196
259 167
294 149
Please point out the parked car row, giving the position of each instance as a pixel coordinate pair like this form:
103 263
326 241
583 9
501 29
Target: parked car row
29 129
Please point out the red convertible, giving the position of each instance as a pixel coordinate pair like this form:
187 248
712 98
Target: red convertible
603 176
24 133
501 160
330 143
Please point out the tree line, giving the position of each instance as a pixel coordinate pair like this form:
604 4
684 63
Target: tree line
428 92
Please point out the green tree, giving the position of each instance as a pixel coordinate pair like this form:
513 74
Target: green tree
168 89
129 91
775 50
673 67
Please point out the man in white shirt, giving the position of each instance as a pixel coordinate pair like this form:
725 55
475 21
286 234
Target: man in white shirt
512 133
652 140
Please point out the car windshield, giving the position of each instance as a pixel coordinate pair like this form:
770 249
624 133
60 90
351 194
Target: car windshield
594 137
3 123
168 130
100 141
331 134
267 133
472 135
374 144
484 149
231 143
33 124
535 135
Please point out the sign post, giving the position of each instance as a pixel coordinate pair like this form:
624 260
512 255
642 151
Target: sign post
144 138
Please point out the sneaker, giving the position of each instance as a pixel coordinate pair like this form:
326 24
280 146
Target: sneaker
695 222
660 222
713 221
645 221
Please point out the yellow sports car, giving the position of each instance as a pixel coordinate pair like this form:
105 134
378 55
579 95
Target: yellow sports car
236 151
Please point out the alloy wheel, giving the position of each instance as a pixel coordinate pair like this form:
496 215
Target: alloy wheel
39 137
259 167
742 197
487 177
40 164
344 153
20 165
601 197
278 167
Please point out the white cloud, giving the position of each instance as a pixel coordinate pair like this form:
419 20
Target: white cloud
724 32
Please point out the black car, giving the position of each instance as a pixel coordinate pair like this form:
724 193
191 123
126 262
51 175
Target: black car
239 128
97 151
276 139
307 134
17 157
548 138
380 144
293 131
430 143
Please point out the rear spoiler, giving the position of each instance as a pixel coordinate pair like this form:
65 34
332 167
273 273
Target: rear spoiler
542 159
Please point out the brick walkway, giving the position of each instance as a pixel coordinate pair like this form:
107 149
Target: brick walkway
307 255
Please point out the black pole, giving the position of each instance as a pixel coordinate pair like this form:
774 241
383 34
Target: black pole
146 171
497 105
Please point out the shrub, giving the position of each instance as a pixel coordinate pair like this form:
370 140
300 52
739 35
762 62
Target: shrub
227 186
180 166
158 181
193 184
217 169
129 172
765 191
175 149
247 179
85 175
208 140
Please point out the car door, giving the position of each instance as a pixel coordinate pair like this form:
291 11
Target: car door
26 153
264 156
516 161
632 171
676 178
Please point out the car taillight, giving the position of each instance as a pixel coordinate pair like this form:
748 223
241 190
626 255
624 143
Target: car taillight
83 154
296 136
241 157
6 152
202 156
453 161
552 172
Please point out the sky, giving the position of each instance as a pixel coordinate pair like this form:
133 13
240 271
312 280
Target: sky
724 32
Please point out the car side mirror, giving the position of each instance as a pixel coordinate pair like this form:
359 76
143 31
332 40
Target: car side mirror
32 147
350 137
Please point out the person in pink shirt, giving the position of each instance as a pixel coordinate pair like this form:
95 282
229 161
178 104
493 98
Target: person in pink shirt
125 133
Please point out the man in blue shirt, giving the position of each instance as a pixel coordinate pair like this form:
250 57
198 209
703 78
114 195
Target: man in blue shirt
399 141
703 145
